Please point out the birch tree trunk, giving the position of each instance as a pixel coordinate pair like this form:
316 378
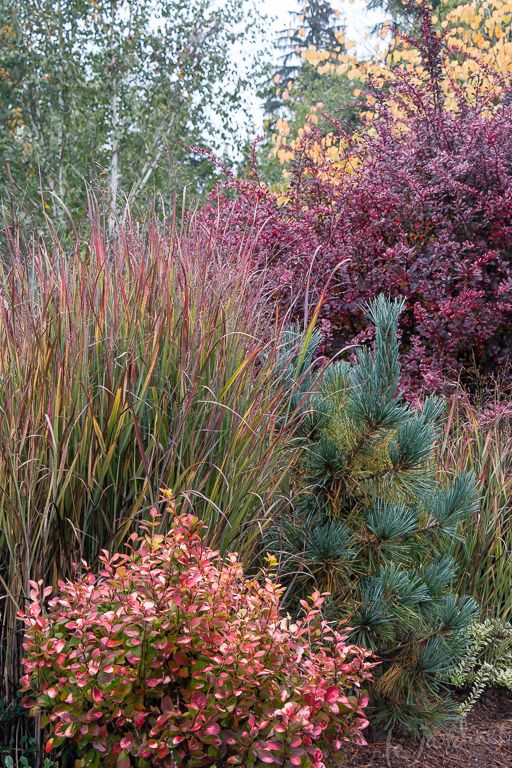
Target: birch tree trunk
114 122
61 117
114 155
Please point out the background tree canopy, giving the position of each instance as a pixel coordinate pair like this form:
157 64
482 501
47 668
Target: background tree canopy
114 93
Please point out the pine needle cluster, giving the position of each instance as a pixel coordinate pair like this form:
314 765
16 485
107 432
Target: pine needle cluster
372 525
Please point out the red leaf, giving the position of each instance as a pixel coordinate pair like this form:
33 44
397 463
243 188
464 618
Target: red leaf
198 700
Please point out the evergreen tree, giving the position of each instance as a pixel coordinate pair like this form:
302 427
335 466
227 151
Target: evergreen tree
295 87
372 525
317 25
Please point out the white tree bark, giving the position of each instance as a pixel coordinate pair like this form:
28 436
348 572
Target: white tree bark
114 121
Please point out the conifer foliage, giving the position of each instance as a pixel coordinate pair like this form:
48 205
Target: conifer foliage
372 525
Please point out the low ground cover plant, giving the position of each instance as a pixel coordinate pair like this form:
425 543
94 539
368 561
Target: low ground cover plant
488 661
373 525
169 656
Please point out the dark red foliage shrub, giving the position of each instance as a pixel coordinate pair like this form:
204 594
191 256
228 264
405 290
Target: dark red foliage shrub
169 656
425 213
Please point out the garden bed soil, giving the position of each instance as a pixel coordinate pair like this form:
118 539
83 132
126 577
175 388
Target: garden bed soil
483 741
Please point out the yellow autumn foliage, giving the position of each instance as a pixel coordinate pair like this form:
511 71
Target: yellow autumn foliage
478 35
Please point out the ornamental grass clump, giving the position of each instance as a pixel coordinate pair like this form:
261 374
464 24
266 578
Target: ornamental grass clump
128 363
479 438
168 656
373 525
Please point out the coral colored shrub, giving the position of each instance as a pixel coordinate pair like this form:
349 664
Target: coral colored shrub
169 656
420 207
